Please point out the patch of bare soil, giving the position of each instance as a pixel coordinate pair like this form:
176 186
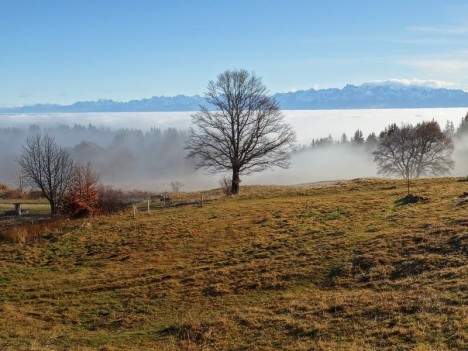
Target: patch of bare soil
411 199
462 199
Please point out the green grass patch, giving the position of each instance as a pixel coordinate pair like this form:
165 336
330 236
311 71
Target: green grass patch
337 214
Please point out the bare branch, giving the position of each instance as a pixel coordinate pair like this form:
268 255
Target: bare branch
47 166
411 152
245 134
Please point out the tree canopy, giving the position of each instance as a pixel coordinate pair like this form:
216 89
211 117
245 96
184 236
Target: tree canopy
413 151
46 165
244 133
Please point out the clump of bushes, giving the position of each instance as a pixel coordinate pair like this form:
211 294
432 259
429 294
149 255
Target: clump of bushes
15 234
101 199
81 198
110 200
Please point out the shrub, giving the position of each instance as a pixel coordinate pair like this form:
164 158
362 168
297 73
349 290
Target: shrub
225 184
81 198
17 235
110 200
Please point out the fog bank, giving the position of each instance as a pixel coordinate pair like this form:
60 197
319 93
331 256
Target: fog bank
146 150
308 124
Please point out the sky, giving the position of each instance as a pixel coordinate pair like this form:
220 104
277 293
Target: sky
62 51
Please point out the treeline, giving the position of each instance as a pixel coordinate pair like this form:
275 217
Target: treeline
117 155
132 158
371 141
357 139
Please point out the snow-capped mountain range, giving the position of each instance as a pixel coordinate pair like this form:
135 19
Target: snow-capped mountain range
373 95
368 95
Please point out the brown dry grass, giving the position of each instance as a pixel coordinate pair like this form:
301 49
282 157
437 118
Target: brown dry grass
335 266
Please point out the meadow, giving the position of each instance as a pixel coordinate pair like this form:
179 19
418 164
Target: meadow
323 266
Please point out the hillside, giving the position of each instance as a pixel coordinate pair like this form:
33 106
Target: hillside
332 266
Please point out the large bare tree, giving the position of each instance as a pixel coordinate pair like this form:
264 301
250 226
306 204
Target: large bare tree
244 133
414 151
46 165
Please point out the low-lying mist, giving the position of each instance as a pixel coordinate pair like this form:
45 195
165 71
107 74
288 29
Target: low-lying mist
137 156
125 158
333 162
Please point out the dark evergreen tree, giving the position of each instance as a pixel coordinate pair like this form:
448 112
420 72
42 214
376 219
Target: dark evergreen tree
344 138
358 138
371 141
449 128
463 127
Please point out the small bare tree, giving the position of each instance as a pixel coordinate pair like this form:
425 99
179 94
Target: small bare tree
176 186
46 165
411 152
225 184
245 133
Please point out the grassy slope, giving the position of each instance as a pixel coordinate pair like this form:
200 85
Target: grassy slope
334 267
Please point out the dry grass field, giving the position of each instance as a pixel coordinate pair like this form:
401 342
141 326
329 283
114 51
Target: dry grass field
332 266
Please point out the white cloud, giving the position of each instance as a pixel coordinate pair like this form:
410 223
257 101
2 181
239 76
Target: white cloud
451 66
426 83
440 66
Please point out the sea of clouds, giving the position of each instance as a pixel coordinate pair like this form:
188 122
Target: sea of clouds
307 124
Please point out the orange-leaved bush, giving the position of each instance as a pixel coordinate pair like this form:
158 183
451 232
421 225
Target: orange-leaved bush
82 196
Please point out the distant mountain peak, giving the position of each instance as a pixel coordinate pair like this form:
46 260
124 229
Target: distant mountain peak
379 94
393 93
412 83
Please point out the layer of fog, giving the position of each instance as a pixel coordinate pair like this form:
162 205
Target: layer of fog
307 124
334 162
138 151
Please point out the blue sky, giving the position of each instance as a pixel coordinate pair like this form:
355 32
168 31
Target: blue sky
62 51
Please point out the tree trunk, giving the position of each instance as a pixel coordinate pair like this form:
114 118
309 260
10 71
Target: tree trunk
53 208
235 181
408 179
